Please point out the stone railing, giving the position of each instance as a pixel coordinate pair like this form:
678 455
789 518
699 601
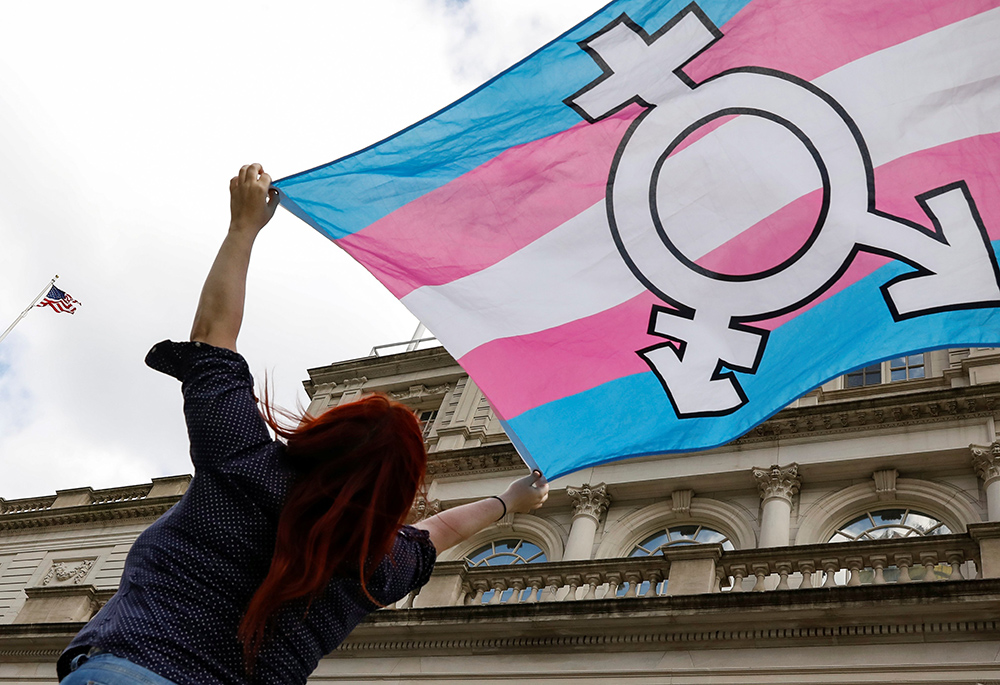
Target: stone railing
872 562
127 494
86 504
23 506
703 569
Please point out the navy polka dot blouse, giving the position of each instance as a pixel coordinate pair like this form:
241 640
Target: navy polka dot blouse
189 577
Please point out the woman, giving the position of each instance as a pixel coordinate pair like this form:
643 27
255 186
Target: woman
276 551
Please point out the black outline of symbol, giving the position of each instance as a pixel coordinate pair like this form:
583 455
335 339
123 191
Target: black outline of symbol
740 323
767 273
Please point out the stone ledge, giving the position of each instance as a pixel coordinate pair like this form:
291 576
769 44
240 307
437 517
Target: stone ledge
878 413
110 511
918 612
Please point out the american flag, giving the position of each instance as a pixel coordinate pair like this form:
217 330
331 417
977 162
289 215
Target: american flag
59 301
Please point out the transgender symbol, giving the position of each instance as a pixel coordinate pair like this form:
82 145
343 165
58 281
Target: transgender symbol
707 323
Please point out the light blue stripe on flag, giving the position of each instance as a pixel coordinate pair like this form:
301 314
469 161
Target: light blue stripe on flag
856 327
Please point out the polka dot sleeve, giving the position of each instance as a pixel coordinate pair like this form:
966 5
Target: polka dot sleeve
219 406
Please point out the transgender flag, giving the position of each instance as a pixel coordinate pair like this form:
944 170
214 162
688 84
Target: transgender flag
665 225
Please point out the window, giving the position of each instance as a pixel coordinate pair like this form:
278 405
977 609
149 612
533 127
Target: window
883 524
899 369
870 375
506 553
677 536
427 422
906 368
890 523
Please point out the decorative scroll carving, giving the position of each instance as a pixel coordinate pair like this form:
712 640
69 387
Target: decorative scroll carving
778 482
681 502
590 500
885 483
66 572
986 461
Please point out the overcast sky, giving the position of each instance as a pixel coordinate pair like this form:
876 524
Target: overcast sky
120 126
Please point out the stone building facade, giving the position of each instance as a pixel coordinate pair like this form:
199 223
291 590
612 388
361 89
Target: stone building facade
852 538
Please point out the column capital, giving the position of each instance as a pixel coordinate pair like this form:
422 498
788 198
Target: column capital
986 461
777 482
589 500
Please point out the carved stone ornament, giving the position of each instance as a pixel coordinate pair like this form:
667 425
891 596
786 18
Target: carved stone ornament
422 509
778 482
67 573
419 392
885 483
590 500
986 461
681 502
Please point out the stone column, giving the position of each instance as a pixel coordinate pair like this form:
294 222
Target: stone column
986 462
589 504
777 486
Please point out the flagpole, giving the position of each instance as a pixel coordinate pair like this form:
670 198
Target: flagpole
30 307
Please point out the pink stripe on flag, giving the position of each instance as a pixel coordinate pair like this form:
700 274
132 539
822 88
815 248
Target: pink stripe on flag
492 211
588 352
810 38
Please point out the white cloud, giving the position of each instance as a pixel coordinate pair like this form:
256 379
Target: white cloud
121 123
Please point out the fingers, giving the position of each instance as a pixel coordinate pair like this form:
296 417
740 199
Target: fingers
251 172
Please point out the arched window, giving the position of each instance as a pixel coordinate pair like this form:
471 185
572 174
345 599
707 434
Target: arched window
674 536
506 553
884 524
881 524
677 536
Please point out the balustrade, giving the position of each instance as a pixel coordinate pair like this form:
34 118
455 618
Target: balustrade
700 569
23 506
129 494
850 564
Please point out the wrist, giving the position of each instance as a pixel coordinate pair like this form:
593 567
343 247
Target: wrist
504 504
244 227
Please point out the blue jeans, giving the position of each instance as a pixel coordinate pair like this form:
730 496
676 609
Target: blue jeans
107 669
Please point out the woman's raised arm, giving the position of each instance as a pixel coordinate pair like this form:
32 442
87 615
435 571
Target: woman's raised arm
452 526
220 310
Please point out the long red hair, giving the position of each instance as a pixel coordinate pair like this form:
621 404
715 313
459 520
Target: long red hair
360 466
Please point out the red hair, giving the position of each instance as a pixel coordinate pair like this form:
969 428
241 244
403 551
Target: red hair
360 466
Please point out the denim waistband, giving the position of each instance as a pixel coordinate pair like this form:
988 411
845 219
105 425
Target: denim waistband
100 661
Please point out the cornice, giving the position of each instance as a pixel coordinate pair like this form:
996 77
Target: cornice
485 459
91 513
379 368
713 639
885 412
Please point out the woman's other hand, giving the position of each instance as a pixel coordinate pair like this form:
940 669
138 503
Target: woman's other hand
526 493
